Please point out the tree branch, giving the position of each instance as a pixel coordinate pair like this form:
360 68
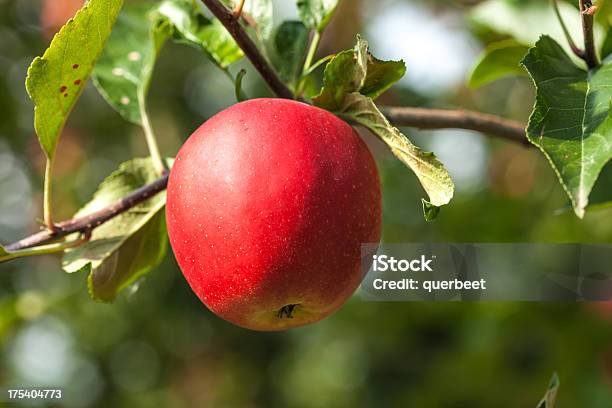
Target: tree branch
400 116
87 223
232 24
421 118
590 53
459 119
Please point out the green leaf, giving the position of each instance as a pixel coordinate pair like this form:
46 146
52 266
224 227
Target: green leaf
381 75
526 21
349 81
606 48
257 18
123 73
316 14
345 73
129 245
56 80
290 43
601 196
550 397
357 70
430 211
431 173
188 25
261 13
604 13
138 255
571 120
498 60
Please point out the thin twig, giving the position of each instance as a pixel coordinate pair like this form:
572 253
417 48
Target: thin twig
249 48
237 12
590 53
460 119
93 220
150 138
48 249
575 49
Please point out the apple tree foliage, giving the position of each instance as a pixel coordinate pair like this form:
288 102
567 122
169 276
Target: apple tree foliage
118 45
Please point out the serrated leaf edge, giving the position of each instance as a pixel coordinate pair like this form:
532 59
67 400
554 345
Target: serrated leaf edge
50 150
581 204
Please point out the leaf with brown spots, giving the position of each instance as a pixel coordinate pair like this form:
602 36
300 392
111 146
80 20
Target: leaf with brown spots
71 56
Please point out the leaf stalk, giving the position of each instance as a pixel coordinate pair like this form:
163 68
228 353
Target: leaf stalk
590 52
47 194
47 249
150 136
575 49
312 50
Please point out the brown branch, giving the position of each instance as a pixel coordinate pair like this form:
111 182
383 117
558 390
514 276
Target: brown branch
590 53
232 24
423 118
87 223
400 116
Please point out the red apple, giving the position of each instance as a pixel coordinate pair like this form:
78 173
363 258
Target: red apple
268 204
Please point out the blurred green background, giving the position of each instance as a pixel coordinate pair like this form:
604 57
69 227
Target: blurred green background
159 346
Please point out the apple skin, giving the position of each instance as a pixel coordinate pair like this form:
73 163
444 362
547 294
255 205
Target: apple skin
268 203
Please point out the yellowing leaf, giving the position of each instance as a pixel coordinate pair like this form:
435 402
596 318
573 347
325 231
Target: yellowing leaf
351 80
431 173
